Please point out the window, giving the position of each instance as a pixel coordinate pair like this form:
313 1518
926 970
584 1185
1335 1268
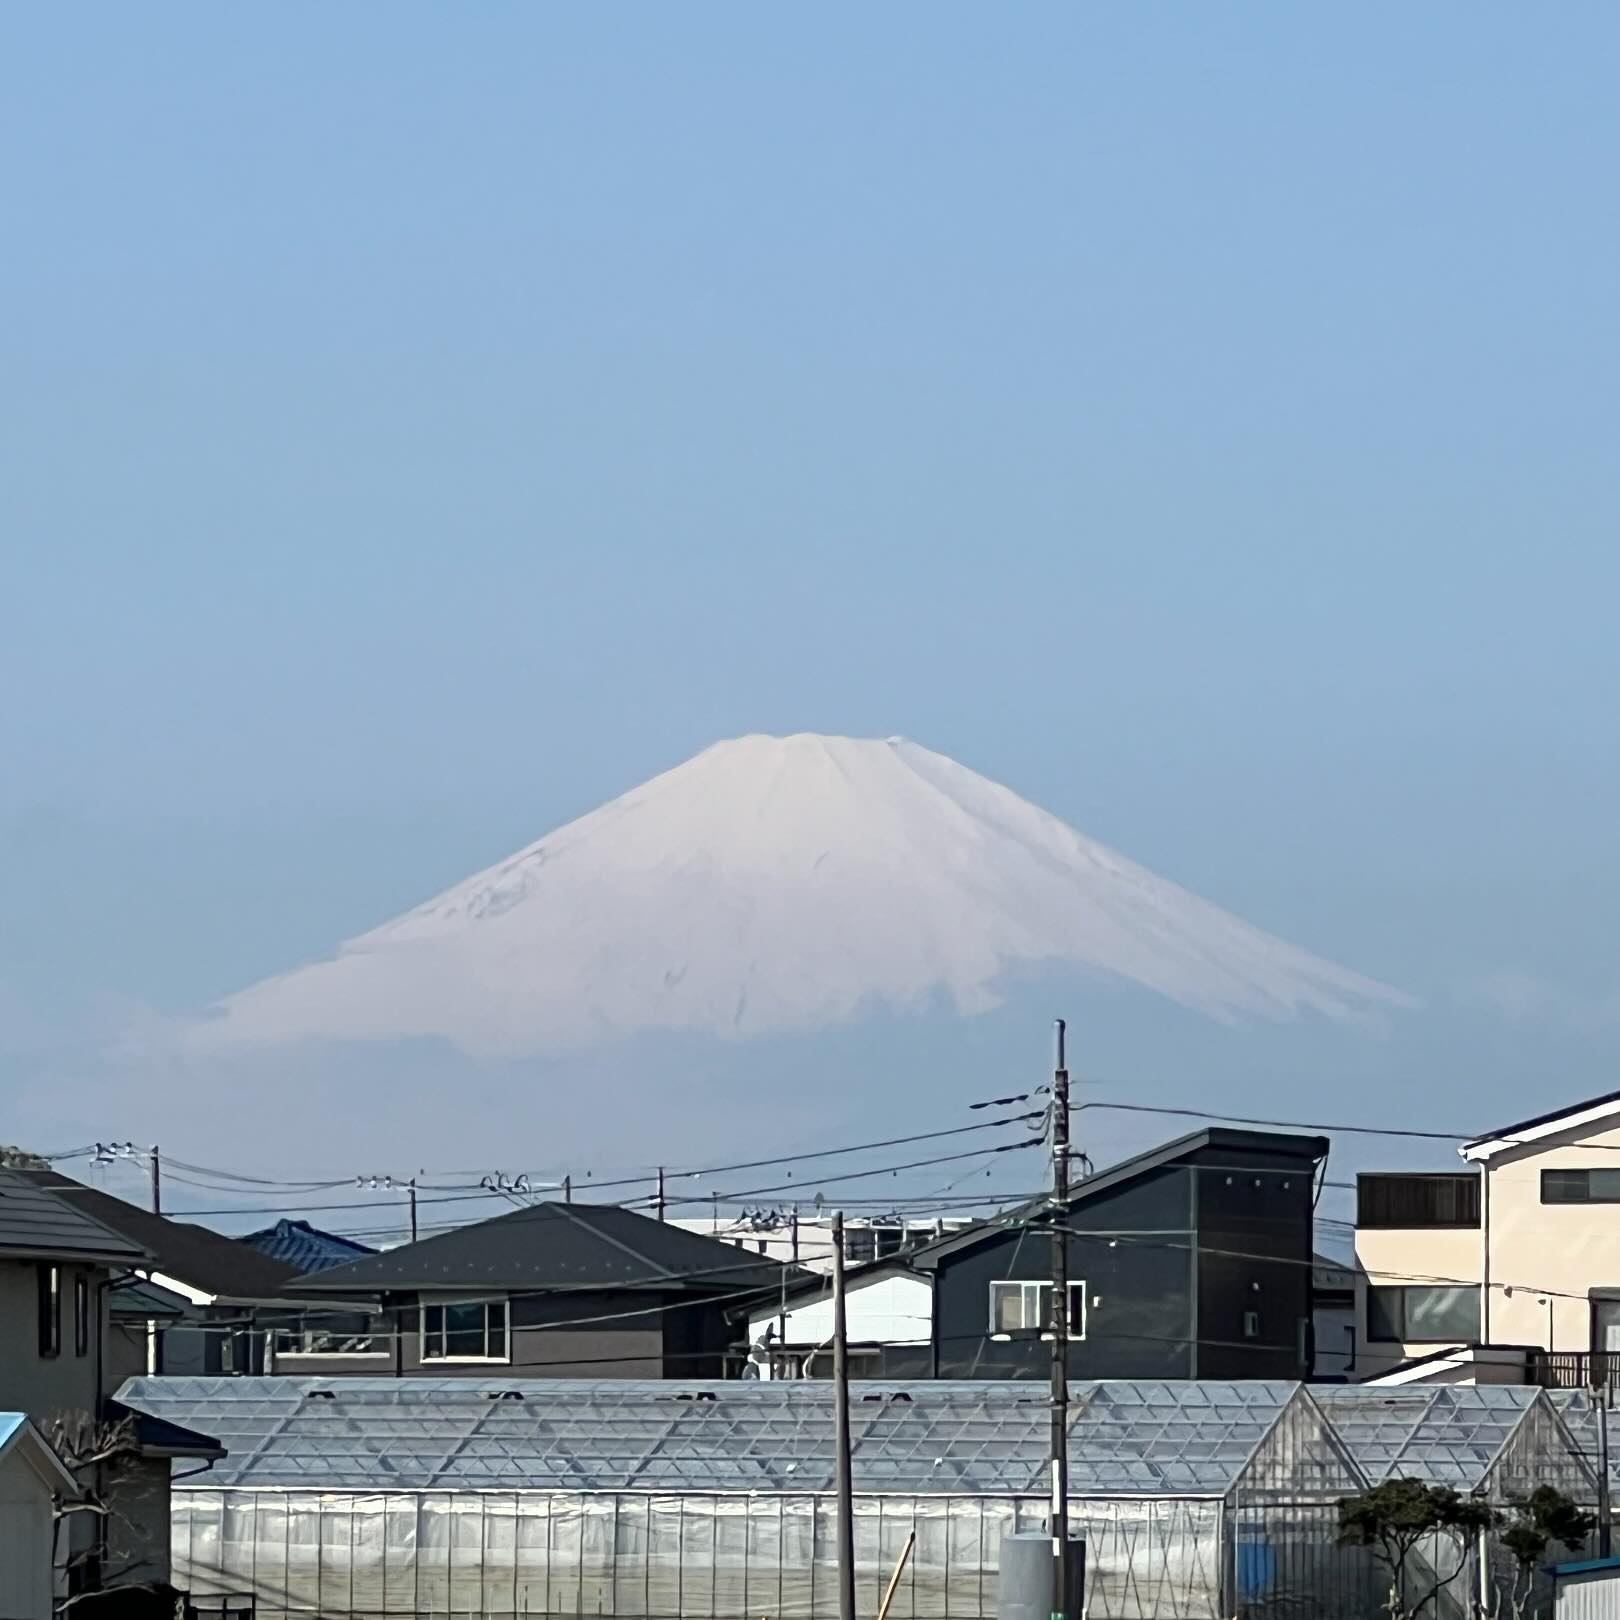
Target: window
860 1244
336 1333
1423 1315
890 1240
1606 1325
1580 1186
50 1310
465 1332
1396 1201
1025 1307
81 1314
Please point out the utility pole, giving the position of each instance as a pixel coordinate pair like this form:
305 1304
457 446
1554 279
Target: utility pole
1060 1328
410 1187
568 1189
1600 1394
846 1496
157 1183
661 1192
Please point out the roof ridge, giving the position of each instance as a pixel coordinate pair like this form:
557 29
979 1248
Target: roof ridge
608 1237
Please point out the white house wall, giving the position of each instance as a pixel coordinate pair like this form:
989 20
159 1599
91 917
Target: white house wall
888 1310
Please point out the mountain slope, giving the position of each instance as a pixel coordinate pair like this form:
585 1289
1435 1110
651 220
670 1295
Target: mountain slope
781 883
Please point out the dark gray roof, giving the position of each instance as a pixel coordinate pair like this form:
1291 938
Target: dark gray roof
36 1221
1213 1137
557 1246
194 1255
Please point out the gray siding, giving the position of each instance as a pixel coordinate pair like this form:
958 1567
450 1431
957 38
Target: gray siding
43 1386
1254 1217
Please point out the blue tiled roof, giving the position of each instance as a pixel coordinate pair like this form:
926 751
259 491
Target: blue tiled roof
297 1243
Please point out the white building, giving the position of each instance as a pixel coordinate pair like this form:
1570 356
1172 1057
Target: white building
806 1239
32 1478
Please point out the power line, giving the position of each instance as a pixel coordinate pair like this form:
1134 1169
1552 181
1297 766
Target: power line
1280 1124
478 1194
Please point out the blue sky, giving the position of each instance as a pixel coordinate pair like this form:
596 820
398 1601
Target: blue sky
421 424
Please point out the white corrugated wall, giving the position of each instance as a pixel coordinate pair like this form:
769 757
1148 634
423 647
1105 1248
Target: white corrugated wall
1592 1595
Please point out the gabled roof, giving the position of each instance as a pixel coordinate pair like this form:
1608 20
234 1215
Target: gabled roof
196 1256
556 1246
35 1221
17 1433
304 1247
146 1301
1526 1131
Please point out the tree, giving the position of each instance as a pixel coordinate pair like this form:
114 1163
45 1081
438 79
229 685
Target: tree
100 1568
1544 1516
16 1158
1397 1518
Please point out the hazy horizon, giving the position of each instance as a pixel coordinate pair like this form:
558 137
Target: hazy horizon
421 430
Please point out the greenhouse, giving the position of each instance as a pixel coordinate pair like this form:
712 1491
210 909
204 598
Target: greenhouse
1496 1441
660 1501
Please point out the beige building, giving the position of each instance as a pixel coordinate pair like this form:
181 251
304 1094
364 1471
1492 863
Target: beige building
1520 1247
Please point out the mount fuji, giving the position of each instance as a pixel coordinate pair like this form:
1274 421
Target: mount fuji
776 884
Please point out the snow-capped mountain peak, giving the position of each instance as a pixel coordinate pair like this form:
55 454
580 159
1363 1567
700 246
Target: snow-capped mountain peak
779 883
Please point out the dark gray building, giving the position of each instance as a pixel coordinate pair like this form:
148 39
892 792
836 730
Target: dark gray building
1190 1261
196 1303
60 1358
553 1290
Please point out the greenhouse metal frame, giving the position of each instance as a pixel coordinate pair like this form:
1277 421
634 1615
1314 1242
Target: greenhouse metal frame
497 1498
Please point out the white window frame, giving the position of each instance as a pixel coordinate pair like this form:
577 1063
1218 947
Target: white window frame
1034 1289
306 1335
424 1333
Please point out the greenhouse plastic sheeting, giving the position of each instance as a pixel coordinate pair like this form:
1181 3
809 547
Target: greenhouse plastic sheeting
659 1501
724 1557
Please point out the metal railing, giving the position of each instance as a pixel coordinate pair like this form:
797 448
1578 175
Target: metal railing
1575 1369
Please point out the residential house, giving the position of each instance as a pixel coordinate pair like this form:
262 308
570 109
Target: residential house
33 1481
59 1270
1519 1248
199 1303
1191 1261
304 1247
548 1290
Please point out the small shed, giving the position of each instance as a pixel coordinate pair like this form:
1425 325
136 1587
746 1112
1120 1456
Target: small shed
32 1478
1587 1590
